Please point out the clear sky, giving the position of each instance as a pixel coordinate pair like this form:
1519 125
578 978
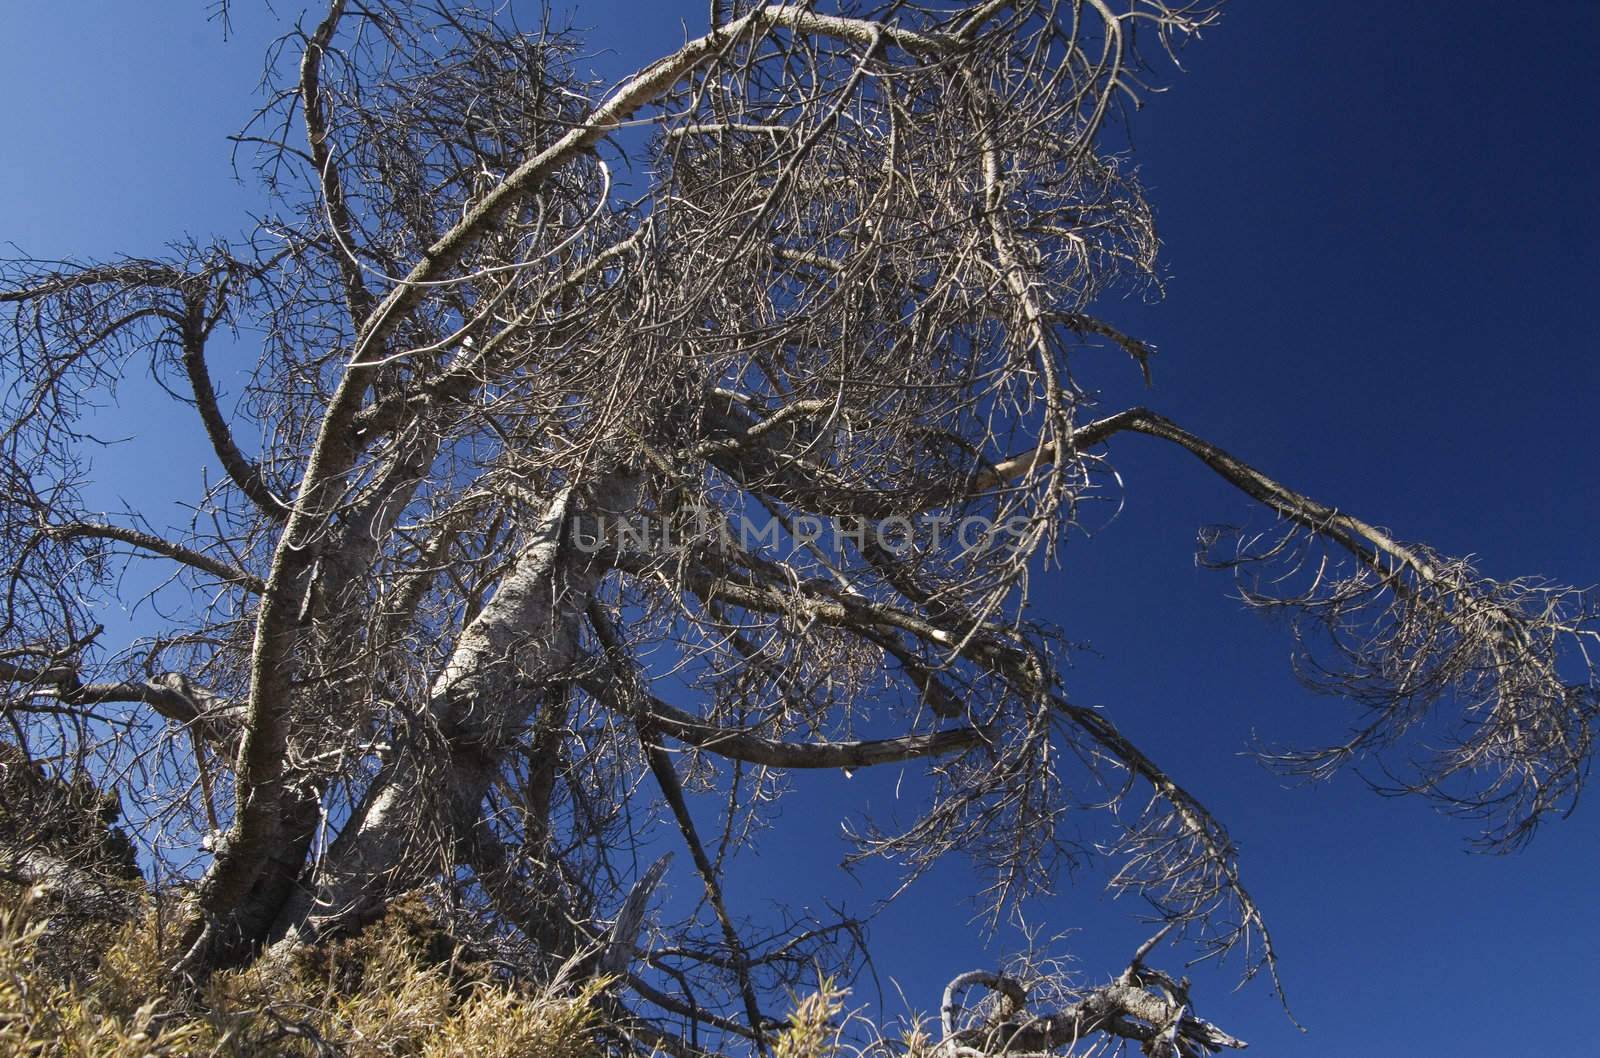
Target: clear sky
1381 249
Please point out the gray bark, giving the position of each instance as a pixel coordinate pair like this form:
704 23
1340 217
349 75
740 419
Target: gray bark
509 661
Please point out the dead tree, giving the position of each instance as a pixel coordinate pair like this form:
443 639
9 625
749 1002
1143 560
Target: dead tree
1142 1005
602 450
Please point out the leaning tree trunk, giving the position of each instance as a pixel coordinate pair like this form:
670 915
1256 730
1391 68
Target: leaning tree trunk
513 658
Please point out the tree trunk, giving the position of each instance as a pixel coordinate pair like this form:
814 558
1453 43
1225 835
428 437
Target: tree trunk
508 662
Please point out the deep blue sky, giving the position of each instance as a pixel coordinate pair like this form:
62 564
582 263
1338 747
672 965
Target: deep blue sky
1380 230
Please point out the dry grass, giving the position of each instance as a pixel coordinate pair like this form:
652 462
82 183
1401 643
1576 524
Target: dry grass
383 994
